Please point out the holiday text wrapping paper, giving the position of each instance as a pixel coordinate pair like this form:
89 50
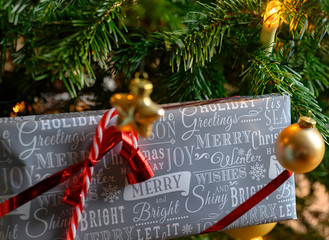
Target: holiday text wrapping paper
207 160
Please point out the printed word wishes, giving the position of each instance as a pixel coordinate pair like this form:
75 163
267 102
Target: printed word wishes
220 175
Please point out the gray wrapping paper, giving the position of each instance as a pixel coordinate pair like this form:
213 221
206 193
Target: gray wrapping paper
207 160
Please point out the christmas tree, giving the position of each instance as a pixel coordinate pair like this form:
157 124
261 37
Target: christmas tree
60 56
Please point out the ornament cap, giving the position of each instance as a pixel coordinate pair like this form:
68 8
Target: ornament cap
306 122
136 110
140 86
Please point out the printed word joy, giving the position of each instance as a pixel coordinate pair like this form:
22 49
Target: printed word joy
15 177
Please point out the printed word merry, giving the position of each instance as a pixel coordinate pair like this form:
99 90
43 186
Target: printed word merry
160 184
259 214
222 139
55 160
114 234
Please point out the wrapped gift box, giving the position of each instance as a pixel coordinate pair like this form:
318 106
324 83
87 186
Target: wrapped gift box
208 158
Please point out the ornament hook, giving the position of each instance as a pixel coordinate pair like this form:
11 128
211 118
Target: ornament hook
309 113
136 110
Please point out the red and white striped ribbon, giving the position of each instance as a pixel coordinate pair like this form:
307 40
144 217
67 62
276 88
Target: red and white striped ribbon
93 156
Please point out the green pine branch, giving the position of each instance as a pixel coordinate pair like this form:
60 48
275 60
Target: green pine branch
130 58
67 40
204 37
200 83
266 75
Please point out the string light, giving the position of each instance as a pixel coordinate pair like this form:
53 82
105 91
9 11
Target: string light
270 24
19 107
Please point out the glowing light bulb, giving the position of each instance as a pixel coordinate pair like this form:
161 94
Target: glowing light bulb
270 24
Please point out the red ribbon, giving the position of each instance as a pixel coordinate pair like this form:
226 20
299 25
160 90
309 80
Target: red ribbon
140 171
250 203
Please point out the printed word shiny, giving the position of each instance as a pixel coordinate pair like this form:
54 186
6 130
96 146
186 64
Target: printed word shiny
200 198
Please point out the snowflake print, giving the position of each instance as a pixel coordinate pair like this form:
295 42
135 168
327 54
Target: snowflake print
187 229
110 193
257 172
241 152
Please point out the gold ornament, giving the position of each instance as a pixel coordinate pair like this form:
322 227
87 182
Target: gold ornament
300 147
251 232
136 110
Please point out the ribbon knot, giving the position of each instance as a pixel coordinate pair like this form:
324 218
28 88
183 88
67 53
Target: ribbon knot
140 169
73 194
